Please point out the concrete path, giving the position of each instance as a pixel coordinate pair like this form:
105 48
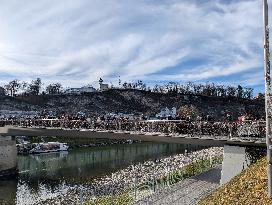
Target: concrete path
186 192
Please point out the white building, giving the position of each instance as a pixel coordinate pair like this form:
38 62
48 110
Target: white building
124 115
103 87
85 89
166 112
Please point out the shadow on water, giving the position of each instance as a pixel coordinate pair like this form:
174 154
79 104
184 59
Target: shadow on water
40 175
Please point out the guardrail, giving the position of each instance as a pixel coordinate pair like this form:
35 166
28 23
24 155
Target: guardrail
248 129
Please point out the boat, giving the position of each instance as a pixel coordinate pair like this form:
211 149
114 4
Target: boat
46 147
23 146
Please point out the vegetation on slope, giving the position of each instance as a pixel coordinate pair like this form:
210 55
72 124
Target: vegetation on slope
250 187
133 101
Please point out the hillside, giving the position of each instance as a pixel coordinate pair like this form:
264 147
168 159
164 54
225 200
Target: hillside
131 101
250 187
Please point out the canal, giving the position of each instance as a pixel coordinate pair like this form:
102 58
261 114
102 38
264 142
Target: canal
49 175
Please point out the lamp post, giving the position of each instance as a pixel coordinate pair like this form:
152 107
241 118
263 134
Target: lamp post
267 95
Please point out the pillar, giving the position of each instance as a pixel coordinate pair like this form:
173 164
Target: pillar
234 162
8 156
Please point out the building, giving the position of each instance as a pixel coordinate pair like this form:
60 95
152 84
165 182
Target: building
166 112
129 116
103 86
78 91
87 89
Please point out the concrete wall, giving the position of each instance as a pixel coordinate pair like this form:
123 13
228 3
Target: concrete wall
8 156
234 161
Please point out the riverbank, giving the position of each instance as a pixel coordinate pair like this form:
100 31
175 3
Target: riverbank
249 187
142 176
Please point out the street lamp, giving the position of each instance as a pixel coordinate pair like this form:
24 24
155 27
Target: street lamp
267 95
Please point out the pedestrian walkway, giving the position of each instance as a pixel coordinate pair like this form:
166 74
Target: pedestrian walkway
186 192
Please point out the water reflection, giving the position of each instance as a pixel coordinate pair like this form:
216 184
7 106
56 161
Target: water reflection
8 190
49 175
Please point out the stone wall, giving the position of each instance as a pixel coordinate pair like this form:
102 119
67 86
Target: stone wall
8 156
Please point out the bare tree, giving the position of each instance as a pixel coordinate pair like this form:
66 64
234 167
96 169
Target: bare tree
231 91
188 111
12 87
248 93
240 91
35 86
54 88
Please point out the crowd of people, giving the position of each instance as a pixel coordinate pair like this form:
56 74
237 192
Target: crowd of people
248 128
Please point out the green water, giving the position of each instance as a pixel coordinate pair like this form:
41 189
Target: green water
42 176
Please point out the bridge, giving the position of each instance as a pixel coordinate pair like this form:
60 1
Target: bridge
202 133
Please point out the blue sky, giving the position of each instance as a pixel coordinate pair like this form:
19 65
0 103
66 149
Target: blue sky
77 42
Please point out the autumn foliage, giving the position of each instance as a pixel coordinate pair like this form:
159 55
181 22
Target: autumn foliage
250 187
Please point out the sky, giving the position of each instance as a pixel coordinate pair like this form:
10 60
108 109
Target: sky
77 42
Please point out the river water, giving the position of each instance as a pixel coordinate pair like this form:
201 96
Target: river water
48 175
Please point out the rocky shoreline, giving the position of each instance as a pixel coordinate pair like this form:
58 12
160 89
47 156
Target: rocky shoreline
125 179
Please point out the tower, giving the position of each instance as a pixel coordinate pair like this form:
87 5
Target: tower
100 81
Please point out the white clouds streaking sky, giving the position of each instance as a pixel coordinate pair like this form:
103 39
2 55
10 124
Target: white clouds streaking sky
76 42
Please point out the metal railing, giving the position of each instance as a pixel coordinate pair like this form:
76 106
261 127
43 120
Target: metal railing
245 130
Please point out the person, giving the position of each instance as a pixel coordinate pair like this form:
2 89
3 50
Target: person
229 117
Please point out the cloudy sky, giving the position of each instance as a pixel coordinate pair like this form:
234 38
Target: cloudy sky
77 42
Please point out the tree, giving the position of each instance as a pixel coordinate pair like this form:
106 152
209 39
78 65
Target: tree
206 89
213 90
54 88
35 86
155 88
12 87
231 91
239 91
221 91
182 89
129 85
188 111
189 88
197 89
125 85
248 93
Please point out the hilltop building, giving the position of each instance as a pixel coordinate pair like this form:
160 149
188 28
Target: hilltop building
84 89
166 112
103 86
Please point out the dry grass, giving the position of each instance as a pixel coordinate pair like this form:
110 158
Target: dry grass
249 187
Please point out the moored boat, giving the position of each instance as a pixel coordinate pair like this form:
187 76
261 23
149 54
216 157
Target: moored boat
47 147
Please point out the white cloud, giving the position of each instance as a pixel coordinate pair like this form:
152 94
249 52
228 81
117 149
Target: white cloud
70 40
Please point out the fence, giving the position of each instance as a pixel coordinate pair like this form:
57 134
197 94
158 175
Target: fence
247 130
